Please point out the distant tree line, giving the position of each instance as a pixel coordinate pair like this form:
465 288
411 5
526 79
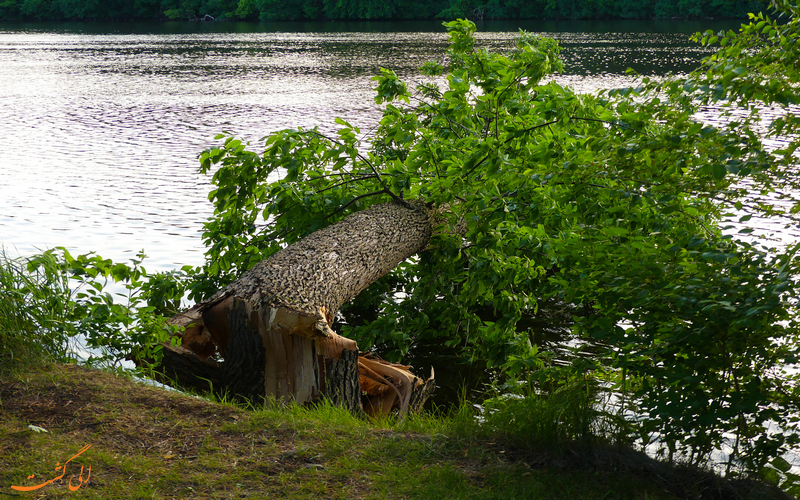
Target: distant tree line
265 10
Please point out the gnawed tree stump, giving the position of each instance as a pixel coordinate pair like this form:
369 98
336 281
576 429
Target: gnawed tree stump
268 334
388 386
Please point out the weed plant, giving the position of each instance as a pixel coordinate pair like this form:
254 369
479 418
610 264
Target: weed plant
34 305
533 424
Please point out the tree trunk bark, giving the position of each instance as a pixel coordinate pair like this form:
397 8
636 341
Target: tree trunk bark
271 327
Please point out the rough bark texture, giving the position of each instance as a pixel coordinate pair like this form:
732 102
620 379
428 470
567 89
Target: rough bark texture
245 358
342 383
331 266
272 325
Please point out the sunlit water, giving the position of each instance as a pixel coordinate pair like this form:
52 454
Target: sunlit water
101 130
102 124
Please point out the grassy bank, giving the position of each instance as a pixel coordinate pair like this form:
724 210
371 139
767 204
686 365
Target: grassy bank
147 442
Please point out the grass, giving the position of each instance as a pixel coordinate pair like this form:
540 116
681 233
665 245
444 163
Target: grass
147 442
33 303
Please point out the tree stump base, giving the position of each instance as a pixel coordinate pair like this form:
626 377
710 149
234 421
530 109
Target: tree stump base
272 325
276 354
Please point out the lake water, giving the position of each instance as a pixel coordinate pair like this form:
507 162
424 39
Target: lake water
102 123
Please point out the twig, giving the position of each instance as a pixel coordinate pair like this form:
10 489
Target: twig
345 183
359 155
374 193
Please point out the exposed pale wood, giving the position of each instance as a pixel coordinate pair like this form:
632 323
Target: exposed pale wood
422 392
333 346
272 326
195 336
379 390
390 386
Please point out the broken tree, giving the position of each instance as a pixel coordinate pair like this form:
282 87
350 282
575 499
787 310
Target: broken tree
268 334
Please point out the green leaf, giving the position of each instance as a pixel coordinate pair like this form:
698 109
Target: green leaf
615 231
781 464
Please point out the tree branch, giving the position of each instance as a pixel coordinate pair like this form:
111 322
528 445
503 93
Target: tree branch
615 123
359 155
374 193
506 142
343 183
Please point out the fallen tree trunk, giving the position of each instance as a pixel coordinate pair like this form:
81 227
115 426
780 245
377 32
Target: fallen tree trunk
268 334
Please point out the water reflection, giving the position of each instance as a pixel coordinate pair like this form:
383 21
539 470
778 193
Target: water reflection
102 126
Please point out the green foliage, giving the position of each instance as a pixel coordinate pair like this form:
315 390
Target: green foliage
55 304
611 205
33 309
268 10
130 327
182 9
571 412
358 9
79 9
759 64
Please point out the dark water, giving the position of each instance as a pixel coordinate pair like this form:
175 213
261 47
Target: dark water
102 123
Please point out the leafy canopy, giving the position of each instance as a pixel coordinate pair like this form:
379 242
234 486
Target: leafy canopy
613 207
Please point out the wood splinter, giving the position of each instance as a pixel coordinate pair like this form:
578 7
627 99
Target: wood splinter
267 335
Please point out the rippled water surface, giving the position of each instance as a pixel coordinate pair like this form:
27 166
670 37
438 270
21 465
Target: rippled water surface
102 125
